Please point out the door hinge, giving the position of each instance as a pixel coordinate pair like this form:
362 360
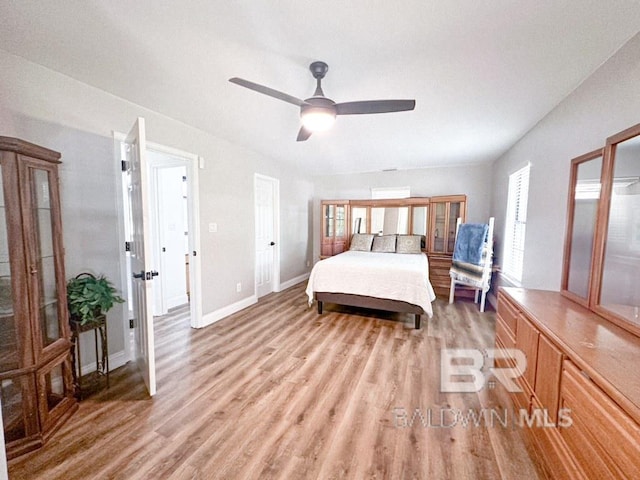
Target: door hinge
131 323
124 165
127 246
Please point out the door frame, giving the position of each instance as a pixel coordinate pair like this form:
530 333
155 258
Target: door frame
193 164
275 183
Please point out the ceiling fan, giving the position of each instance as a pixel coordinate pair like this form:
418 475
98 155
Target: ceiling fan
319 112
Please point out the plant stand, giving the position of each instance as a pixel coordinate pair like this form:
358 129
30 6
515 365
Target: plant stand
93 380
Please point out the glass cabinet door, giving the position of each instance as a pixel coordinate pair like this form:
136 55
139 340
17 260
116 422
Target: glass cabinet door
19 416
9 340
439 230
454 213
56 389
45 269
335 218
329 214
340 221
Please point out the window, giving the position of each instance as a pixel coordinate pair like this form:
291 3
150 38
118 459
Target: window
378 193
516 223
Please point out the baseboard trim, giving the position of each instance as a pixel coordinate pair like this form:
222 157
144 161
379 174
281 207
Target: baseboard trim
116 360
293 281
221 313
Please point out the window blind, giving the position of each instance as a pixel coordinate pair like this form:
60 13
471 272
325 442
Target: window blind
516 223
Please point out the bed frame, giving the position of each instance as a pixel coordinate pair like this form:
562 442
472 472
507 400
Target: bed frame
370 302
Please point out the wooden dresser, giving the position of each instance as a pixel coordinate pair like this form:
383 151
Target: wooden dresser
582 379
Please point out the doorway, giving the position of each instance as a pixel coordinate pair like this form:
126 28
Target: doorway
164 158
170 231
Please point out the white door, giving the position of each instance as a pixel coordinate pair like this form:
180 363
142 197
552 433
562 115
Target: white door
266 200
142 294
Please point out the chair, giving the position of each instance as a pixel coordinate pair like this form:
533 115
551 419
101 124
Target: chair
472 259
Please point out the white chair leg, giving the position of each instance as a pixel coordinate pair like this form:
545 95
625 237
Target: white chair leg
484 294
475 298
452 290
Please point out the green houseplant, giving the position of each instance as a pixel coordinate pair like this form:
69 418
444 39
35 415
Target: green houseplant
89 296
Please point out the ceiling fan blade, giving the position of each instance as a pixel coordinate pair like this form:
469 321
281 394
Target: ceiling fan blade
303 134
374 106
267 91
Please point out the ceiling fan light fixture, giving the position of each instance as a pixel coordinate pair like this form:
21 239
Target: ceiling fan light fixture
318 119
318 113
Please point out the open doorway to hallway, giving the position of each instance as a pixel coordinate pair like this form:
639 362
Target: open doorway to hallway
170 232
176 288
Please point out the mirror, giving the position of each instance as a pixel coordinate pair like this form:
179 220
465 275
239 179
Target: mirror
619 292
389 220
419 220
584 192
359 220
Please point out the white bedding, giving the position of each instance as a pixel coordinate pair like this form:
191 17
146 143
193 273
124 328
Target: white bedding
393 276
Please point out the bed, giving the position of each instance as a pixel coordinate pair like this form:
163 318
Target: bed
396 282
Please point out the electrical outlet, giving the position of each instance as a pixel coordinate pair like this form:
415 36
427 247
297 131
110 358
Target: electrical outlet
308 263
213 227
238 287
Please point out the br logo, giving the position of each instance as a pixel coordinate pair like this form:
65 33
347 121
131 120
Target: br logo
461 369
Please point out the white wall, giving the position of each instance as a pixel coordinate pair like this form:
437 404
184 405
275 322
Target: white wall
604 104
53 110
471 180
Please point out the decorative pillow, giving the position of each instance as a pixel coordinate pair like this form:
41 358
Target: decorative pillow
361 242
384 244
408 244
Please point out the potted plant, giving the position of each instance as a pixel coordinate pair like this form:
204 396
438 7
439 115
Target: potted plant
89 296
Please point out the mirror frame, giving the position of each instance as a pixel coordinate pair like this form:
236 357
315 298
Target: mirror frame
602 226
592 302
571 203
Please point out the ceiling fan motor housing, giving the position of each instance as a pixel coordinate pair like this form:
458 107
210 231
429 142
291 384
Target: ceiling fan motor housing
319 69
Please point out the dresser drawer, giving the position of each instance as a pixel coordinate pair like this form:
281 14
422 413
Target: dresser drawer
504 334
508 313
603 438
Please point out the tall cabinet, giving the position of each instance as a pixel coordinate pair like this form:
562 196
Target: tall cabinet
335 224
35 362
442 237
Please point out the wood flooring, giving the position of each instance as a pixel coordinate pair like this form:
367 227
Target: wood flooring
277 391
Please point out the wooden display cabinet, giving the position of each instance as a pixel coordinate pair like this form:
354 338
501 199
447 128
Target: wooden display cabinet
335 227
444 213
36 383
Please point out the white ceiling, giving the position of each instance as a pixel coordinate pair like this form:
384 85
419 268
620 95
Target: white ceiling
482 72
